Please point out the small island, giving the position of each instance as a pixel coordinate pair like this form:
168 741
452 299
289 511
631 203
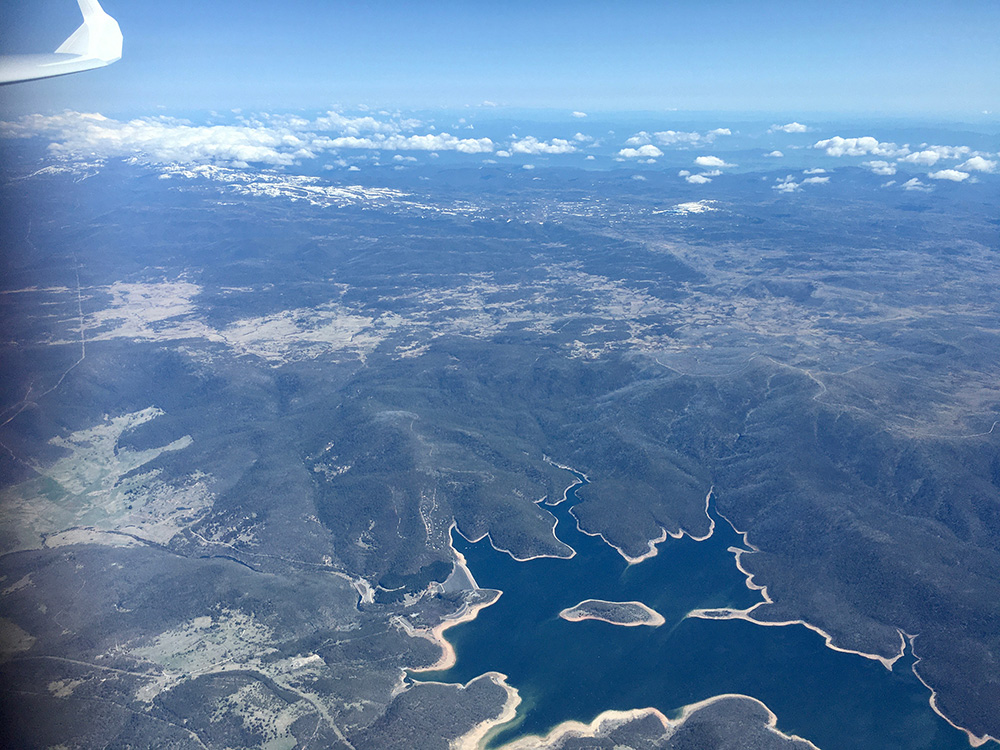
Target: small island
628 614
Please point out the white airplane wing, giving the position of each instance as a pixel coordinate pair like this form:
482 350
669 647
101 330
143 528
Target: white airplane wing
98 42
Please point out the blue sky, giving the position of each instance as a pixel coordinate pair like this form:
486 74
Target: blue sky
935 58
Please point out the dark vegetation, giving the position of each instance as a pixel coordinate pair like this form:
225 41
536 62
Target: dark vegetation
830 369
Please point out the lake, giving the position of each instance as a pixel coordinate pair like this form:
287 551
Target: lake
575 670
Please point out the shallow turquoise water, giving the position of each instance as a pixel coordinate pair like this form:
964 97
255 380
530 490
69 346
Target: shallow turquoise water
566 670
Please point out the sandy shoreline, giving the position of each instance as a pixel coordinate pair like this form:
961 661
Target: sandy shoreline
466 613
514 557
652 618
652 543
747 614
887 662
652 550
475 737
974 740
608 720
572 471
555 521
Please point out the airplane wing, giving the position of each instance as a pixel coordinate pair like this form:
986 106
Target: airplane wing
98 42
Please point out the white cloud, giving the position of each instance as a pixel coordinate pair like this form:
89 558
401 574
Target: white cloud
271 140
817 170
915 184
531 145
863 146
429 142
335 122
787 184
792 127
590 157
775 155
581 138
683 173
978 164
923 158
676 137
711 161
528 166
947 152
673 137
163 140
698 179
503 154
579 114
949 174
883 168
639 177
644 152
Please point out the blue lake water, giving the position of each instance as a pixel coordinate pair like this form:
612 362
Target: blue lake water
575 670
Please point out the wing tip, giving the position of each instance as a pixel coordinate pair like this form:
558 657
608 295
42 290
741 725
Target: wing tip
98 38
